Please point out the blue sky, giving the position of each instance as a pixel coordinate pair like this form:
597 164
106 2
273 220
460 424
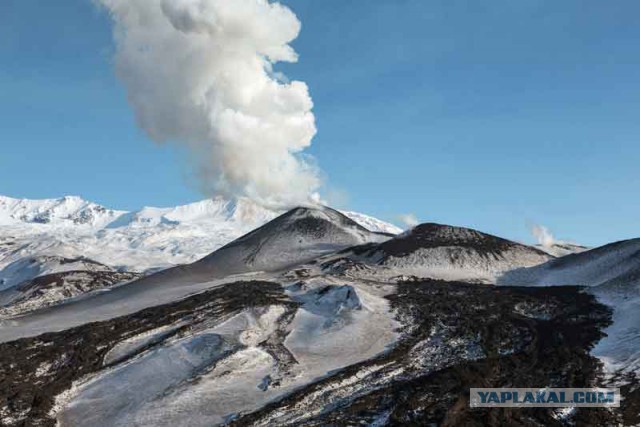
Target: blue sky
485 114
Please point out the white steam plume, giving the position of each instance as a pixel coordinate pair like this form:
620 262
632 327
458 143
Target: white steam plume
200 73
542 235
409 220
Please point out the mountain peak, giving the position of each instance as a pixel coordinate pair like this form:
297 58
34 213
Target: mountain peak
300 234
432 235
438 251
67 210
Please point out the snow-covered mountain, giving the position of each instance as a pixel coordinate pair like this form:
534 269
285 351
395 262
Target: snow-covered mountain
437 251
69 238
69 211
308 318
293 238
142 241
73 212
298 236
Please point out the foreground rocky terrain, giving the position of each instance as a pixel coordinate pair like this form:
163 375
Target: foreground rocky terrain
312 319
454 336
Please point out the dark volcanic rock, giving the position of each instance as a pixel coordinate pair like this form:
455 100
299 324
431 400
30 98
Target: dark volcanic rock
295 237
462 336
56 288
431 235
33 371
436 251
454 336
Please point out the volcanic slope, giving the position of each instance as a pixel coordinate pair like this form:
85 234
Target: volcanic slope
308 353
439 252
612 273
294 237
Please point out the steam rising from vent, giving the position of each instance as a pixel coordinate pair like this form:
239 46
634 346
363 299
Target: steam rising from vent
200 73
409 220
543 235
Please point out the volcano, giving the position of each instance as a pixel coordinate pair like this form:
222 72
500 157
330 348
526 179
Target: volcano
439 251
311 319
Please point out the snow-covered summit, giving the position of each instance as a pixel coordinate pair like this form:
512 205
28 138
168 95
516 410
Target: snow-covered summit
298 235
239 211
432 235
68 210
373 224
73 211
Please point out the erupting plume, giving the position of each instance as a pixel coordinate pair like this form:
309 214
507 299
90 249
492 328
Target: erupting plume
200 73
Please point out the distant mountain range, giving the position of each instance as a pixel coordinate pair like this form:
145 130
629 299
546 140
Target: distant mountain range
141 241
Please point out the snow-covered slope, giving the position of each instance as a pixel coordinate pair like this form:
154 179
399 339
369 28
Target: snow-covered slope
66 211
612 273
256 355
440 252
295 237
597 267
29 268
142 241
51 289
373 224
